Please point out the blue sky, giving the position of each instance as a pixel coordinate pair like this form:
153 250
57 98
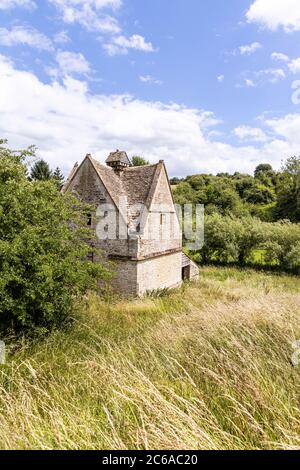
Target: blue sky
204 85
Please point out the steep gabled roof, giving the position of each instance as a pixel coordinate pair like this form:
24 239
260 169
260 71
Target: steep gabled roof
111 181
137 184
70 177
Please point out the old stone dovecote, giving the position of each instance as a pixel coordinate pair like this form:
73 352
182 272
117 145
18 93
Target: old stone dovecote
135 220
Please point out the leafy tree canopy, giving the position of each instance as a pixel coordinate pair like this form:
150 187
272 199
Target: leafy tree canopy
43 252
289 191
262 169
139 161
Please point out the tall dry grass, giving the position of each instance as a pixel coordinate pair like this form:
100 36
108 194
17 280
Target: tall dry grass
205 367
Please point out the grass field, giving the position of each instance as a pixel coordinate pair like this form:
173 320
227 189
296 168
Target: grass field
205 367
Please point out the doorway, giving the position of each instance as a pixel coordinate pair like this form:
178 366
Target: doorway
186 273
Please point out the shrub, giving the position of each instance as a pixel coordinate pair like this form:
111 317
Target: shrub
43 252
229 239
221 242
292 259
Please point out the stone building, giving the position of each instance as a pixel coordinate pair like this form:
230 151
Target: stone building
136 222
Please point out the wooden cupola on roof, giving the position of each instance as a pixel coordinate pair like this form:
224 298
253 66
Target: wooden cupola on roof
118 161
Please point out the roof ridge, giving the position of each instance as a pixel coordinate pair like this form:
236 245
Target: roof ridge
154 183
99 163
141 167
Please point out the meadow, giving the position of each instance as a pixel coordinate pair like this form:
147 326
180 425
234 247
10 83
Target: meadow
208 366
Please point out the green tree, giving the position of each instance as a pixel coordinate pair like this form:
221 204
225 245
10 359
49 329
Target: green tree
58 178
138 161
221 241
198 182
289 191
41 171
174 181
263 169
221 194
259 194
43 250
292 259
184 194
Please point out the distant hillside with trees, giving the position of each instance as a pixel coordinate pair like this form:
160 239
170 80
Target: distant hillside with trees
249 220
268 195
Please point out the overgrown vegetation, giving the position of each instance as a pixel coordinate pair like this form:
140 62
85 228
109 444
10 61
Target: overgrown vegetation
43 250
205 367
269 195
249 220
249 241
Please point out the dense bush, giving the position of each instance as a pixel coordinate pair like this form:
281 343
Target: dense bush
237 240
43 255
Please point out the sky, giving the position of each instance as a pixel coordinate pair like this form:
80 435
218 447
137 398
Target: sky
206 85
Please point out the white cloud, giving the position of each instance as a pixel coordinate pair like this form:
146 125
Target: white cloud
91 14
250 133
66 122
62 37
120 45
72 62
249 83
273 14
250 48
75 86
94 15
287 127
25 36
220 78
272 75
263 77
294 65
8 4
150 79
215 134
279 57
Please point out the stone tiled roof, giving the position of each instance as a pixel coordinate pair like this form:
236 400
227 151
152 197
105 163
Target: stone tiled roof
185 260
137 182
111 181
118 156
